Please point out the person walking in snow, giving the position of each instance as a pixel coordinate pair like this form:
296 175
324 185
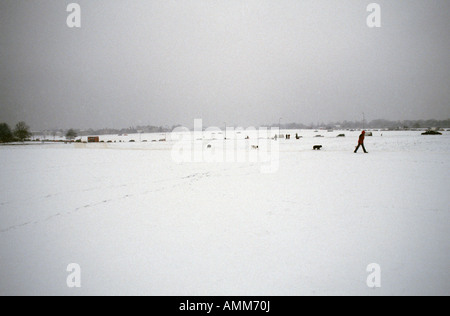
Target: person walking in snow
361 142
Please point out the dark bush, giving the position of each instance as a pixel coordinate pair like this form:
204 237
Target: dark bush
6 134
431 133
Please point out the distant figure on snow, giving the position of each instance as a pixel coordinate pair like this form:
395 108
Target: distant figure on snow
361 142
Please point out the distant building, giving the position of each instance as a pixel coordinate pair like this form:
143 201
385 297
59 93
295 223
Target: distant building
93 139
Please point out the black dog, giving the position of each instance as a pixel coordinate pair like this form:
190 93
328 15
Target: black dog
317 147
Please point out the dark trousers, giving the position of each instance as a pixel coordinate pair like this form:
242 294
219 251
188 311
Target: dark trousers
360 145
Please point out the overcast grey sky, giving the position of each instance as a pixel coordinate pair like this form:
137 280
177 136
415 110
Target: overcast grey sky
246 62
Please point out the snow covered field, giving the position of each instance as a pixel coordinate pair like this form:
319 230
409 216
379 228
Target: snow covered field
137 222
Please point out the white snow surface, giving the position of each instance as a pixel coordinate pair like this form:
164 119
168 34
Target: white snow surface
138 223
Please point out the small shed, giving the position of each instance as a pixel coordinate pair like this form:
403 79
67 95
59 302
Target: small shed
93 139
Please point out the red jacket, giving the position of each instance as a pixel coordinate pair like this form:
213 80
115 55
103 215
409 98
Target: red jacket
361 138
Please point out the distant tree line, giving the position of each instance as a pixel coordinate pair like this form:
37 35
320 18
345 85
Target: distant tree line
375 124
74 133
130 130
20 133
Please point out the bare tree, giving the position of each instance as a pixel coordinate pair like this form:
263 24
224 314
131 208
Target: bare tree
22 131
71 134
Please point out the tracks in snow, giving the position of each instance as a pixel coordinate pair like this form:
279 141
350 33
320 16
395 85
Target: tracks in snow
183 181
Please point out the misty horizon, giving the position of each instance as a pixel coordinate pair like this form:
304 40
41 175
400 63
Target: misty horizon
246 63
338 125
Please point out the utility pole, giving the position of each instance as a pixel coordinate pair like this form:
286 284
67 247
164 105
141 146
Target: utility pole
364 121
279 127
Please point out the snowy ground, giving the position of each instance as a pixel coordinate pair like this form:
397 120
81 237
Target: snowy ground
138 223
